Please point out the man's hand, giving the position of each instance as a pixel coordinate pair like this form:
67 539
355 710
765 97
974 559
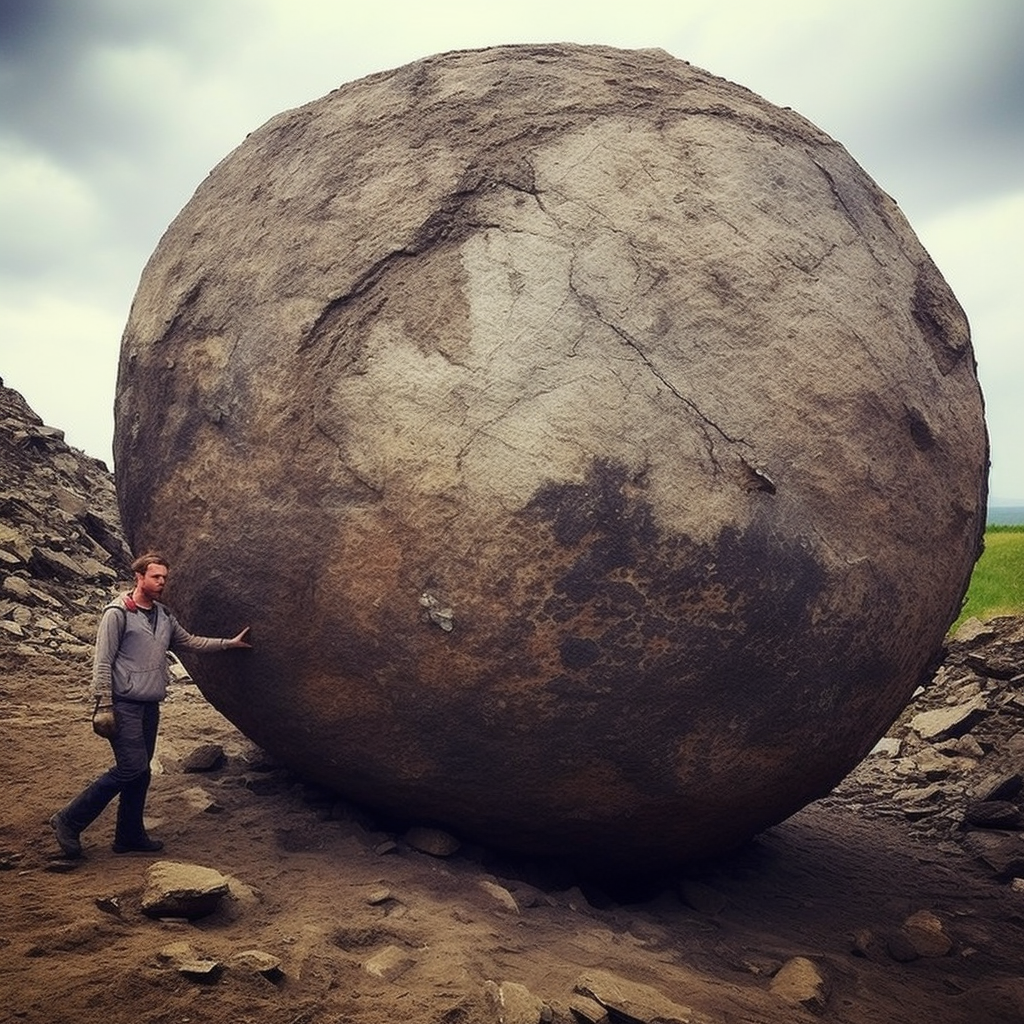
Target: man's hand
240 640
104 722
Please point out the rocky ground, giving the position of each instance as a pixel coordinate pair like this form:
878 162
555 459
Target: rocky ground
897 899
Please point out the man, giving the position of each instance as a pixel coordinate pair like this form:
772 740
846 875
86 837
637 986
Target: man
129 681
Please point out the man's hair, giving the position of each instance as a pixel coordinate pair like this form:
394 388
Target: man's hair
143 562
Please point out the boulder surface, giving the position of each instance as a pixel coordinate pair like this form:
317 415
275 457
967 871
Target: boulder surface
594 450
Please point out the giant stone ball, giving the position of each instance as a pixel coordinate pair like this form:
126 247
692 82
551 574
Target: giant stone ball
593 448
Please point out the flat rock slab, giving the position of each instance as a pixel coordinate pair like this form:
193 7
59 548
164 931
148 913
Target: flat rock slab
389 964
632 1000
174 889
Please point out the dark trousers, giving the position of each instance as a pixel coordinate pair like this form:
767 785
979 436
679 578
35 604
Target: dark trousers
129 777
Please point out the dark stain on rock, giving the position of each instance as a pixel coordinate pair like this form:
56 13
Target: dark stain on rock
598 518
675 629
920 433
578 652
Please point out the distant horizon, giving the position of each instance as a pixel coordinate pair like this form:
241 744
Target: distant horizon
1005 515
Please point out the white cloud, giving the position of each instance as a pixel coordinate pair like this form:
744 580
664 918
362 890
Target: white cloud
42 205
51 351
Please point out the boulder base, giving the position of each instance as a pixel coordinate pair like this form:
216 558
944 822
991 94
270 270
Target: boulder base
593 448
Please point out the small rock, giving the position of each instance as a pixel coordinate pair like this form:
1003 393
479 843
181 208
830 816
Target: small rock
631 999
203 758
240 892
800 982
588 1010
993 665
926 934
513 1003
968 747
83 626
109 905
999 787
258 962
48 563
933 765
998 814
434 841
919 802
973 629
179 674
949 723
203 970
176 953
174 889
918 794
887 746
185 960
9 559
390 963
503 897
17 586
257 759
1004 854
199 799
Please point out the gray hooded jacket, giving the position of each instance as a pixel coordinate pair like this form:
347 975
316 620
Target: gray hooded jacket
131 655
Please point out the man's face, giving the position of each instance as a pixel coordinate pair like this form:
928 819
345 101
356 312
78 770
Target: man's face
153 581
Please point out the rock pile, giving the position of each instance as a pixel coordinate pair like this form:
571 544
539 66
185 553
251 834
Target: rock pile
952 763
62 554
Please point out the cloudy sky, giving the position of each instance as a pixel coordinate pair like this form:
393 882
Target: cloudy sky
113 111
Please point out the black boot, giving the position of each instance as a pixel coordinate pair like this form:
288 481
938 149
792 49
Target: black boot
130 835
67 837
74 819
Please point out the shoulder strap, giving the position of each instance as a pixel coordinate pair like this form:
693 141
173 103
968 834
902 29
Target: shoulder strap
119 606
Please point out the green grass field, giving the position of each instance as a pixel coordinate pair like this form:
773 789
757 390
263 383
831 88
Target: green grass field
997 584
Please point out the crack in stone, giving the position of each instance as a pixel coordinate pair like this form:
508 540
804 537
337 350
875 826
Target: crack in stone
485 429
709 427
847 210
446 223
812 262
375 490
688 402
363 284
443 224
635 345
